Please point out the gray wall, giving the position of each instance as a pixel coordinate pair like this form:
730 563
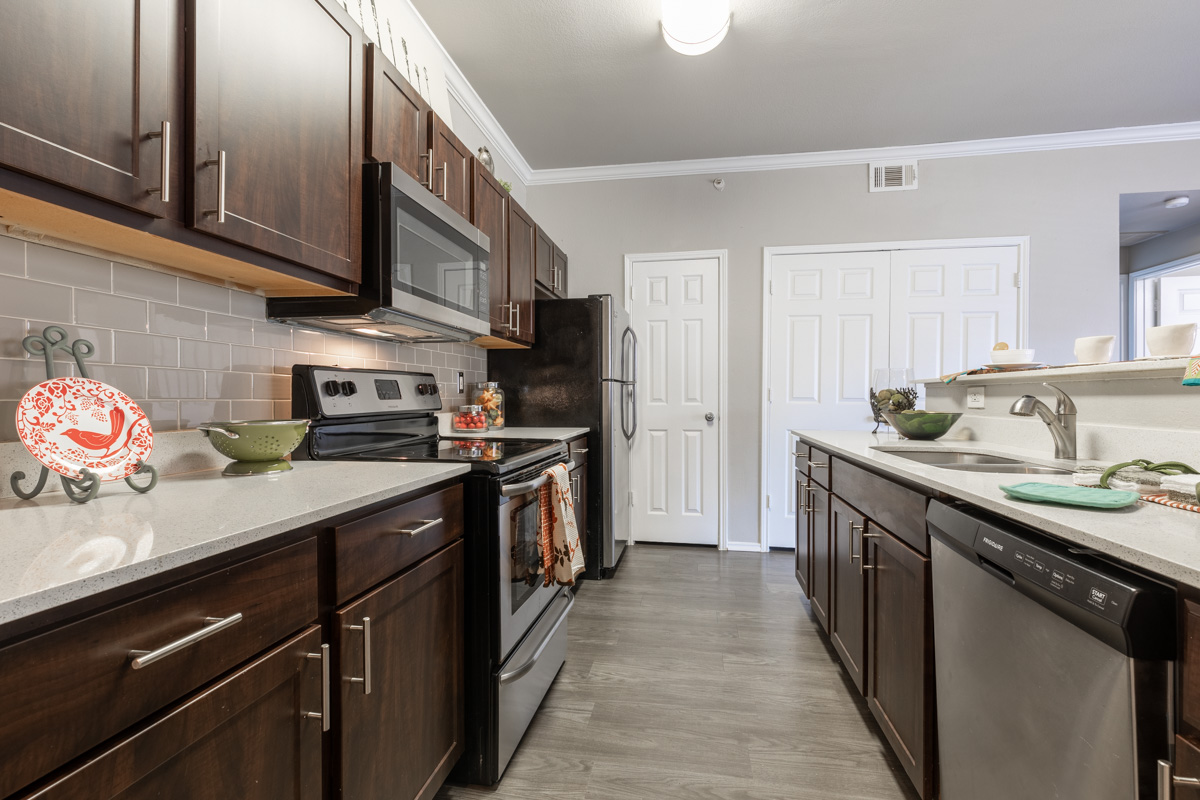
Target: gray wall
1066 201
1164 249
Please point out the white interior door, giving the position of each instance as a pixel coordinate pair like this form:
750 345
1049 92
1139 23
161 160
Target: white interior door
1179 300
829 329
676 313
951 306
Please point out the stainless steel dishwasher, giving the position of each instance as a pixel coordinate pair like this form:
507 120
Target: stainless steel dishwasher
1054 668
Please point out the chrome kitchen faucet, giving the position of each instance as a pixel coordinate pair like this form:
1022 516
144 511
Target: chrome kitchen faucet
1061 421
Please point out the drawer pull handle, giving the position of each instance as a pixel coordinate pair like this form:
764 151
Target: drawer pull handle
219 163
580 450
1167 780
213 624
815 465
324 714
163 190
365 680
426 524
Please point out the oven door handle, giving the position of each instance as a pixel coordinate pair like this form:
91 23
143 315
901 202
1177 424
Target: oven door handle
523 670
517 489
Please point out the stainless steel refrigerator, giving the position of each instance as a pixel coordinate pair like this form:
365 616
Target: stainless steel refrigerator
582 373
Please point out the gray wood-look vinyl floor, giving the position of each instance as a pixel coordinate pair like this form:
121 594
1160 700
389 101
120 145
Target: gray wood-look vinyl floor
701 675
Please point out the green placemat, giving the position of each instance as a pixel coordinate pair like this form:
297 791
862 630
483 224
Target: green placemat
1071 495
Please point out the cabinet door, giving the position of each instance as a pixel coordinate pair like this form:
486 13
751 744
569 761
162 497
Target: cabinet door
397 118
88 88
277 129
847 623
579 491
402 731
248 736
803 534
560 273
452 169
821 597
522 238
900 652
490 215
543 262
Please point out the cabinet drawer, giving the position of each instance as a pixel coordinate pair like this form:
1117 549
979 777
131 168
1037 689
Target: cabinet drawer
578 450
819 466
800 454
71 688
375 548
895 507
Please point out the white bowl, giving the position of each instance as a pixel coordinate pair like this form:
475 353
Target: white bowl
1171 340
1094 349
1019 356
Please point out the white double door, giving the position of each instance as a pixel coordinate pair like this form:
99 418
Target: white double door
836 317
675 457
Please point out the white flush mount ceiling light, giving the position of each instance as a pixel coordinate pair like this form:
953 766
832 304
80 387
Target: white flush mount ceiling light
694 27
1178 202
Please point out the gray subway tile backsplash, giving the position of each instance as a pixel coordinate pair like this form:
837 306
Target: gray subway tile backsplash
186 350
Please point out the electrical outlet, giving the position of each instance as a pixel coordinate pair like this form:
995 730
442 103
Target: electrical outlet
462 386
975 397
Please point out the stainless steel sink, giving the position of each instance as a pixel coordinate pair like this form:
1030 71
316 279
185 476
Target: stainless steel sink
976 462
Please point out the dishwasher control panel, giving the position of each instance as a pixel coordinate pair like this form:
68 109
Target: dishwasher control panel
1060 575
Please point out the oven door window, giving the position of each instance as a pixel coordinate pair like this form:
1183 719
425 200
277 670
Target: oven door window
525 553
432 261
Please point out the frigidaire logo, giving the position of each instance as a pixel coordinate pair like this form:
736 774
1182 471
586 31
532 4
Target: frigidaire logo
996 545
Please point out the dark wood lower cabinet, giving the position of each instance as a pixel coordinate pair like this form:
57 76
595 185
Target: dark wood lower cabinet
821 597
900 686
579 486
246 737
803 534
401 733
847 620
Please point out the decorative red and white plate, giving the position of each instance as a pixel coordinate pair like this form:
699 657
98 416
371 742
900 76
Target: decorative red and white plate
70 424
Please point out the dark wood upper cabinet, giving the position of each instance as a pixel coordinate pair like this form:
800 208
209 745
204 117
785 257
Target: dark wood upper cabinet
88 89
821 597
247 736
276 101
397 118
400 740
452 168
847 620
900 689
550 267
490 215
522 242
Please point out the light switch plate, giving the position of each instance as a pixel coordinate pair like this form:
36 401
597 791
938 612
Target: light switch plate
975 397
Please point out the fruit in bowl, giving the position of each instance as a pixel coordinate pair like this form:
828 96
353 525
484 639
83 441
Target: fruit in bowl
917 424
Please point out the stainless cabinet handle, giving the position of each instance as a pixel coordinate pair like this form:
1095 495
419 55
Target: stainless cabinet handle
812 493
426 524
517 327
854 528
1167 780
163 190
212 625
324 714
365 680
580 450
801 455
863 566
428 184
219 163
445 168
574 489
815 465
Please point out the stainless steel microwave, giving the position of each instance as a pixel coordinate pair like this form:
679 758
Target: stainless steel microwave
425 270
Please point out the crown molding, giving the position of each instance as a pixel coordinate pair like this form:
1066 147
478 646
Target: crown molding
465 95
1173 132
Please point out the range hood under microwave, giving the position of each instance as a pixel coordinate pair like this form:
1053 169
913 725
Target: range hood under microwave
425 271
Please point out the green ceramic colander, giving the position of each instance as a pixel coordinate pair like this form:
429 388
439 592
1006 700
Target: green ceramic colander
257 447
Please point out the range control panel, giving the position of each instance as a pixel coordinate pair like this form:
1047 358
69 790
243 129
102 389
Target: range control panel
1074 582
349 392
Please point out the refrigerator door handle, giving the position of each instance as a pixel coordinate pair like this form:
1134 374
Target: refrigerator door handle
631 382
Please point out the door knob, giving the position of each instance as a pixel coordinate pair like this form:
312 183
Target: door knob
709 417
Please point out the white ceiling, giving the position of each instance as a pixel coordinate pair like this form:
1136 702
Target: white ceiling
1144 213
591 82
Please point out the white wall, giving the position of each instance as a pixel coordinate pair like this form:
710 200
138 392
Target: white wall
1065 200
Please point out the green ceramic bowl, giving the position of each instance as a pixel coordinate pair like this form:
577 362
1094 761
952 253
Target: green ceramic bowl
258 442
928 425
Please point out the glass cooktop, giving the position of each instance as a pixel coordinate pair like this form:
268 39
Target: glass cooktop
485 454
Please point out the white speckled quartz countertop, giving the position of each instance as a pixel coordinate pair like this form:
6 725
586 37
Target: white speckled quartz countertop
1161 540
53 551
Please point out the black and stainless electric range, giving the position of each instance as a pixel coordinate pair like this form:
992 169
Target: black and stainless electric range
516 627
